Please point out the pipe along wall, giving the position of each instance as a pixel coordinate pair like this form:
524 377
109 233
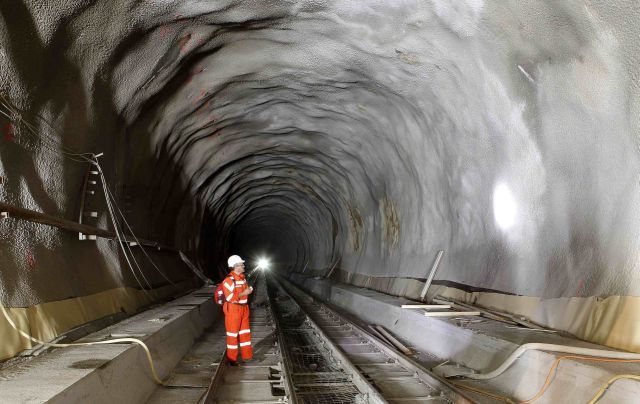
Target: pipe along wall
359 135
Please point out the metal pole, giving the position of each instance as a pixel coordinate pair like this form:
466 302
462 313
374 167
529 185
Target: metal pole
432 274
394 341
332 269
10 211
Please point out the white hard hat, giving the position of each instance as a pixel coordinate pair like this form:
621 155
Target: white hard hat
234 260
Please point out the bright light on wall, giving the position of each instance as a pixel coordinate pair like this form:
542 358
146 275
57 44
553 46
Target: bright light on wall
504 206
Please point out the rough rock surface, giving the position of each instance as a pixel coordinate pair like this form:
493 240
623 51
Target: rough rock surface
370 133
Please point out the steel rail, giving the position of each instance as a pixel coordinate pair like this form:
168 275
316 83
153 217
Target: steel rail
207 396
286 374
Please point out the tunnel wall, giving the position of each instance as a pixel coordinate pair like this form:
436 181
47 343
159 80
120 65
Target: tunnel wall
365 136
59 79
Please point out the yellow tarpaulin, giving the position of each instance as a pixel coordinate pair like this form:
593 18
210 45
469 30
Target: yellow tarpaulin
47 320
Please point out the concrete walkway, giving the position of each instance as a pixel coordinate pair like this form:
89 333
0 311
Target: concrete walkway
113 373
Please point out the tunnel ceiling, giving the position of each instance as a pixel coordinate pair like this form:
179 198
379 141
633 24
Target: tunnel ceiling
365 134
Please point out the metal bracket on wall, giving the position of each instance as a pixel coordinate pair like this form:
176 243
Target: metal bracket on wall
88 181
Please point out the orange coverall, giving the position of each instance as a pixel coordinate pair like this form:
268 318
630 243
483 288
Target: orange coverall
236 317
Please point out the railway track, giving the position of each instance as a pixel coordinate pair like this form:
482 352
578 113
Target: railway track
304 353
380 374
316 374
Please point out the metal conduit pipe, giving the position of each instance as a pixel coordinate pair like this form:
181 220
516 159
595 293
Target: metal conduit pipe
11 211
598 353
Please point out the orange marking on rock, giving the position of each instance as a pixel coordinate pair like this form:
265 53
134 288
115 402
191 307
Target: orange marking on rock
184 41
9 132
164 31
31 260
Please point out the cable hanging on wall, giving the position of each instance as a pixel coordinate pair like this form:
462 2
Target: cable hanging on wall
16 115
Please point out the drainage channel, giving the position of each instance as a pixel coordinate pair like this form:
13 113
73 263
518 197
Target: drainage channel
380 373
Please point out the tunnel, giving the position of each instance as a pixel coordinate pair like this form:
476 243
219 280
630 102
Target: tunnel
463 174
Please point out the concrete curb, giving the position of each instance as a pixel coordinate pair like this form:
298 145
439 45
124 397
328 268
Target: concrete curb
114 373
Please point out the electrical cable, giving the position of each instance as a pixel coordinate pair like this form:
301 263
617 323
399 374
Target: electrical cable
483 392
193 268
112 211
589 352
606 386
44 143
113 199
19 113
15 115
154 373
110 208
123 242
551 375
117 229
135 261
554 366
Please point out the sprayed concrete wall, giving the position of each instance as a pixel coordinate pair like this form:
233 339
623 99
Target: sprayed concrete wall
364 134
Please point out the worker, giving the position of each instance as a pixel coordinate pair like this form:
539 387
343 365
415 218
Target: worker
236 312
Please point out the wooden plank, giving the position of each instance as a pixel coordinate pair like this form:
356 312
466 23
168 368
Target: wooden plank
393 340
484 312
523 321
426 306
451 313
381 337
